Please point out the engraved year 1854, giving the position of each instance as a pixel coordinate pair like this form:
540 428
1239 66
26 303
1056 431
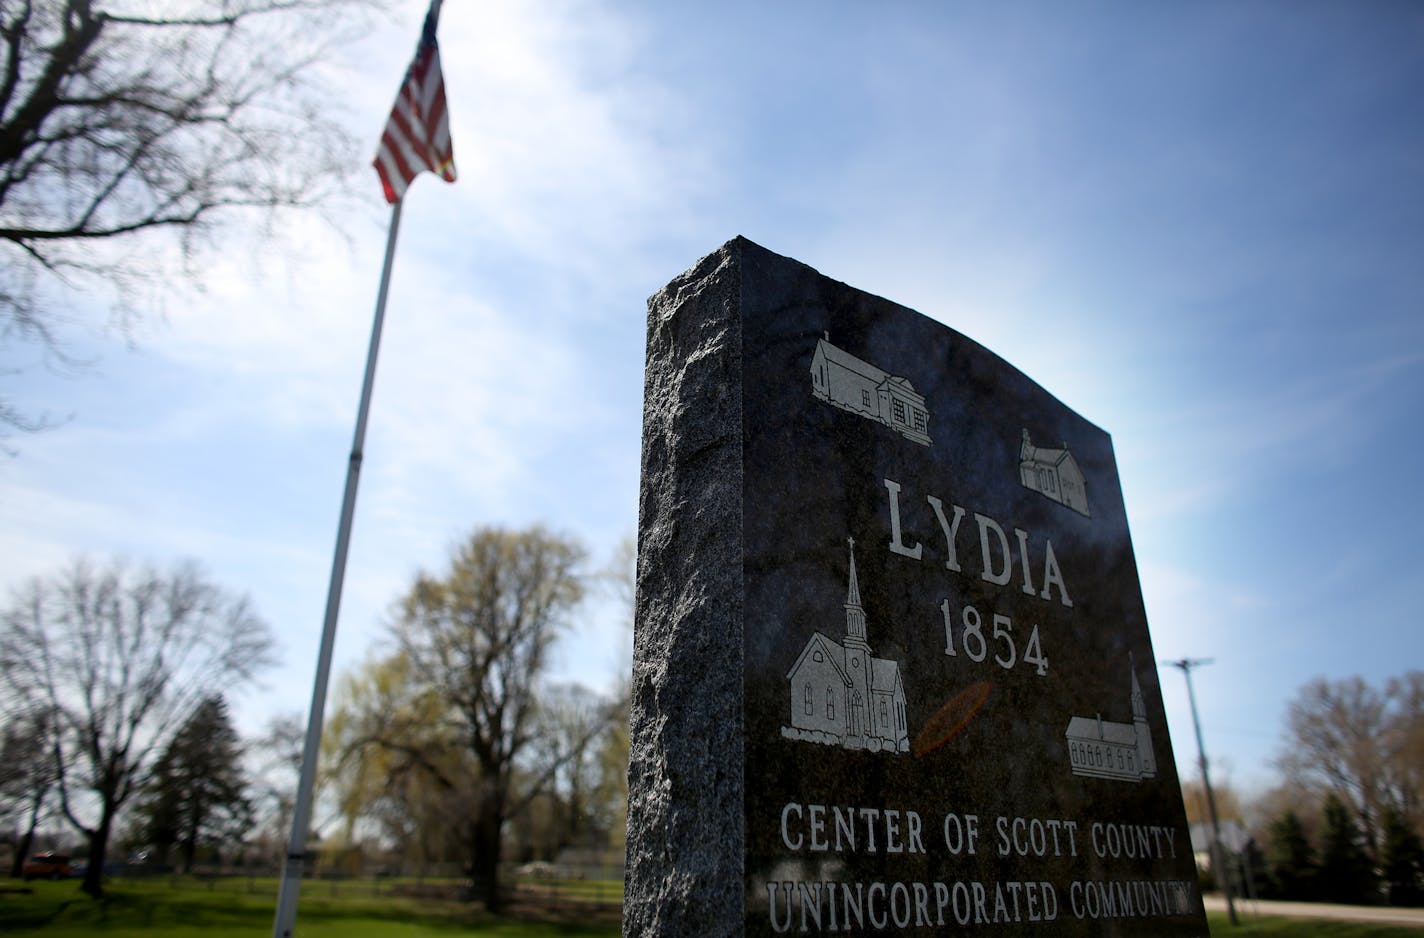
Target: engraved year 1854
976 645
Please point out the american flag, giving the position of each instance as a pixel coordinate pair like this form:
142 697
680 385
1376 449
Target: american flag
417 135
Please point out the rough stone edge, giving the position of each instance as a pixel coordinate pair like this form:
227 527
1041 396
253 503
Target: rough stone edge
685 780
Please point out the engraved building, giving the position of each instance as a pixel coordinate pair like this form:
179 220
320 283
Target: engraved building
1054 473
839 378
841 694
1121 751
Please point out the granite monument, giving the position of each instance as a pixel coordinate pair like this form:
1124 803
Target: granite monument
892 666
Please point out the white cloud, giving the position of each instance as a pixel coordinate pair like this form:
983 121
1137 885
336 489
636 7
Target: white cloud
566 150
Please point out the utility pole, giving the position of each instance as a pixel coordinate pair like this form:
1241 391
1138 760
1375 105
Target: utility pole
1217 860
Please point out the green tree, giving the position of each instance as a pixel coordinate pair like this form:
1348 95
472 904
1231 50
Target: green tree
394 768
197 795
1346 872
1255 870
1402 860
611 793
1289 858
463 712
118 658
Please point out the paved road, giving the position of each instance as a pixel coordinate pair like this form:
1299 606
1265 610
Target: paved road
1349 913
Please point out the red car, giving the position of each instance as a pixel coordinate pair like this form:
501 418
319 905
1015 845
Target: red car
47 866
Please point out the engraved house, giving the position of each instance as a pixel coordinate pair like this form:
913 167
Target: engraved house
1054 473
839 378
1120 751
841 694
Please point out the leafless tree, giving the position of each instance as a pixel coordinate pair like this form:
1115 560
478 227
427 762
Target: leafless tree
118 658
571 722
1361 742
1404 741
621 574
1228 801
131 129
27 779
275 761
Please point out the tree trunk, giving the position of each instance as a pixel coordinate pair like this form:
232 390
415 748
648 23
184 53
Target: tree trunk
192 823
484 855
22 853
22 849
188 841
98 847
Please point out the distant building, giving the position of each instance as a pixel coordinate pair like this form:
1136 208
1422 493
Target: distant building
841 694
1121 751
1053 472
839 378
1234 839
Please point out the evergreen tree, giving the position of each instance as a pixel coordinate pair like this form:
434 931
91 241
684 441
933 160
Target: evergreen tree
197 794
1255 870
1403 860
1290 858
1346 874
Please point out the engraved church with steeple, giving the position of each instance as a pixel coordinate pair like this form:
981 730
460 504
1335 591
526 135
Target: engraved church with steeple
841 694
1119 751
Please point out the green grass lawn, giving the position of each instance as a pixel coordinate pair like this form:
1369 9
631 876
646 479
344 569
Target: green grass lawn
198 910
1303 928
244 909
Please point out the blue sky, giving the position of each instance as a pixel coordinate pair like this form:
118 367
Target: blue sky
1200 225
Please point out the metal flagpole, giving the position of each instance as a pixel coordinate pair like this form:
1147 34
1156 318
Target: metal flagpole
295 863
1218 859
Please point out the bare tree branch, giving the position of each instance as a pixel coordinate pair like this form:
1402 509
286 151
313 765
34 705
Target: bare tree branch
1362 743
119 125
117 658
